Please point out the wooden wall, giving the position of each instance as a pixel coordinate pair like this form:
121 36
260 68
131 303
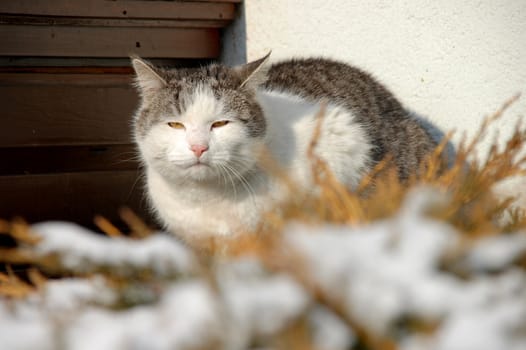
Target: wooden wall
66 97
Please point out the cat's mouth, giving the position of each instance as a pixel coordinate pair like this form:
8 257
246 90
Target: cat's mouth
198 164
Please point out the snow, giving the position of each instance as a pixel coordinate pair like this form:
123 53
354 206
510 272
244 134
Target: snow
330 333
185 318
381 274
382 270
67 294
32 323
79 249
259 304
26 334
496 252
497 324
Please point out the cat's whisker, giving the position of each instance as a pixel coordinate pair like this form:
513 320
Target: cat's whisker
244 182
229 173
242 162
221 177
127 160
140 177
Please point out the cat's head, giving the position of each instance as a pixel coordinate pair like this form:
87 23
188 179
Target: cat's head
201 124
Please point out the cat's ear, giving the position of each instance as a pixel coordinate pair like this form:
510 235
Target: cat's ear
147 78
253 73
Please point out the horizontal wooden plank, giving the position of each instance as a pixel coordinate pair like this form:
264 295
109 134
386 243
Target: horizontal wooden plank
20 40
66 109
121 9
55 159
75 197
112 22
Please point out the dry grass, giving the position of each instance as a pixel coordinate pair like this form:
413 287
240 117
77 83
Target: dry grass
473 209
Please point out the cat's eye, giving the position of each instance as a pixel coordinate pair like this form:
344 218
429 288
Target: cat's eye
220 123
176 125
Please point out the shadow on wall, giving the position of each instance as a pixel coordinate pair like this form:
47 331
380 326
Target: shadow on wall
436 133
234 40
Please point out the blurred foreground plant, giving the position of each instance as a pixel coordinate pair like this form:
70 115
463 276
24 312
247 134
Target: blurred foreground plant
140 268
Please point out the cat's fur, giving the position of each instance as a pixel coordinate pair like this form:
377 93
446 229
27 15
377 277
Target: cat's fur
203 176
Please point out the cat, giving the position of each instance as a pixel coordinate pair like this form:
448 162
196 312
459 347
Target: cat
200 132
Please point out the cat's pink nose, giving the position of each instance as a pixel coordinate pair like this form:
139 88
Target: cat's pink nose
198 149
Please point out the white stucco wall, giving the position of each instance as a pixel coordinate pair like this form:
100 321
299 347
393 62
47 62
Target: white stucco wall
451 61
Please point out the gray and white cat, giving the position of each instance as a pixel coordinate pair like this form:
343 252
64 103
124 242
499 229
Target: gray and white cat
200 133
